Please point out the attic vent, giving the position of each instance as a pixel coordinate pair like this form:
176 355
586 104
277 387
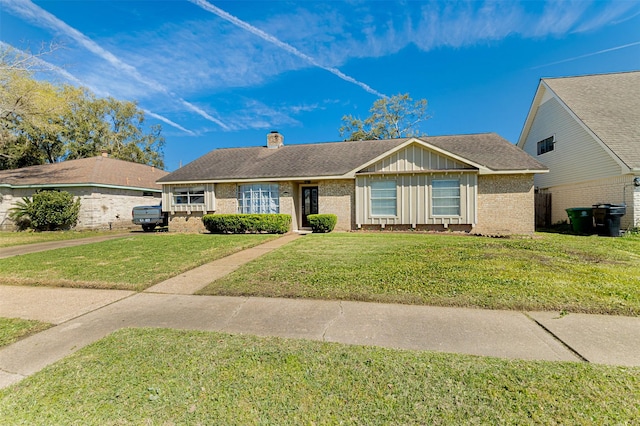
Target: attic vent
275 140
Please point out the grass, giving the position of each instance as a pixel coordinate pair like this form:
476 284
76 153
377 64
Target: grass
9 239
131 263
13 329
548 272
144 376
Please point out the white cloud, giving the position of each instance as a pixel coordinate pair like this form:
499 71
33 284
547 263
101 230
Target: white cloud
41 17
282 45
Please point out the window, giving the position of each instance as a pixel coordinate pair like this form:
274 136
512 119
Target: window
546 145
259 198
383 198
445 197
188 195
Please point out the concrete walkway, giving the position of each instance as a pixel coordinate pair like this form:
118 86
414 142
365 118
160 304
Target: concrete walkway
85 316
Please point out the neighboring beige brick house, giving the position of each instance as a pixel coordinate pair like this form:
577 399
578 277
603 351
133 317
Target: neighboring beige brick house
477 183
108 189
586 130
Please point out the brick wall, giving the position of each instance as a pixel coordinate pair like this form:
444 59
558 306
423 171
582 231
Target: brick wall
505 205
183 222
586 194
226 198
337 197
100 208
227 203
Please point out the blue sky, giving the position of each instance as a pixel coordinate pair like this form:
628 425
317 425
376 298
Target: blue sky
224 73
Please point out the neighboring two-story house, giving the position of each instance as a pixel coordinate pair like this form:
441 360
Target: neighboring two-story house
586 130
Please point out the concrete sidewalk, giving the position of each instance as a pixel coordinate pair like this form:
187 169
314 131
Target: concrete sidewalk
85 316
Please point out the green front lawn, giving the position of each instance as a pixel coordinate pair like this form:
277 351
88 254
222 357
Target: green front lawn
14 329
548 272
9 239
162 377
131 263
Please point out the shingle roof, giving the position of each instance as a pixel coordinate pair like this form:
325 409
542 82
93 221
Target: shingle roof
609 105
489 150
94 170
340 158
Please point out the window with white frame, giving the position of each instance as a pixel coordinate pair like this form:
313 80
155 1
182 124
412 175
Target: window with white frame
188 195
384 198
259 198
445 197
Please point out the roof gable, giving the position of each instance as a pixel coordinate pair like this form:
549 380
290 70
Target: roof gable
343 159
607 105
86 171
415 157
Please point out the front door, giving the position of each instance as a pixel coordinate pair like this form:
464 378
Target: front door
309 203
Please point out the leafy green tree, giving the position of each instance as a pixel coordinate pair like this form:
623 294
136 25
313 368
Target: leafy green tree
30 120
395 117
46 211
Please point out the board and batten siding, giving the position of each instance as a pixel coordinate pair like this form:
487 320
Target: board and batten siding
413 169
209 199
414 158
576 156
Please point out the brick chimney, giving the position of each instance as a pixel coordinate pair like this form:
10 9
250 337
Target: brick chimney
275 140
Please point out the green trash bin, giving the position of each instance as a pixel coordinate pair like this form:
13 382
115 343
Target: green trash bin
581 219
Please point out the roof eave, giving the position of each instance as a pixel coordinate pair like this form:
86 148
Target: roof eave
257 179
76 185
540 91
486 171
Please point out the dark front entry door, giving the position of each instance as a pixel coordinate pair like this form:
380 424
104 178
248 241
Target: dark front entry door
309 203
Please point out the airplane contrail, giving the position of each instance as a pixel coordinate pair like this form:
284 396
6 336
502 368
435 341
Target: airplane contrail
31 11
169 122
599 52
285 46
70 77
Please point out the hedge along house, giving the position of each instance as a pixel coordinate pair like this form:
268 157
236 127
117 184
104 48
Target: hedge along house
107 188
586 130
475 183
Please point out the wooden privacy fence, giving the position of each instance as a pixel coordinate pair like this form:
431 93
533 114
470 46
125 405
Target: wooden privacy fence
543 209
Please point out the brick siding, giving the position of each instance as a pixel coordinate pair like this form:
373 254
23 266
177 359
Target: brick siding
586 194
337 197
505 205
183 222
100 208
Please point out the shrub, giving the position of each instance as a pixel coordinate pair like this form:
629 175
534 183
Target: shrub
247 223
47 211
20 214
322 222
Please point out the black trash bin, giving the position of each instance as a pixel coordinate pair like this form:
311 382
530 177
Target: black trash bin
607 218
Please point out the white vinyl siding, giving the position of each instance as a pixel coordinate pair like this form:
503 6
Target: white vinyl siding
384 198
259 198
576 155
